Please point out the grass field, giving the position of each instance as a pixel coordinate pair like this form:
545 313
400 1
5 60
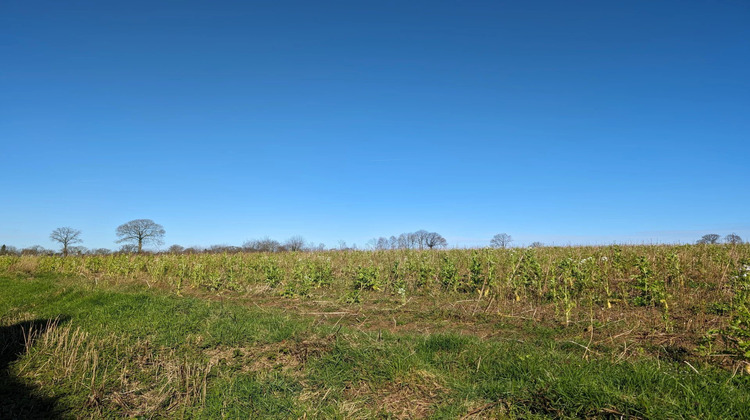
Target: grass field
632 331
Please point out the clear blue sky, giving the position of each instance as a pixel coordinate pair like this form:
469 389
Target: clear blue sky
554 121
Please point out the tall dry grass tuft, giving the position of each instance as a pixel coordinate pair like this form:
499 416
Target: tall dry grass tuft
139 380
26 264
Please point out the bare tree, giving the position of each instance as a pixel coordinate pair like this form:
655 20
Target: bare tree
435 240
295 243
316 248
408 240
36 250
128 249
420 237
223 249
536 245
733 239
379 244
141 231
78 250
262 245
250 245
270 245
176 249
66 236
501 240
710 238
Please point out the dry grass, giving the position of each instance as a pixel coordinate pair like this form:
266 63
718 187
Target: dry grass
26 264
288 357
414 395
411 397
140 380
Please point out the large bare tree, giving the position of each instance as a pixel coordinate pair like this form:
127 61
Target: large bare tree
141 231
711 238
66 236
501 240
733 239
435 240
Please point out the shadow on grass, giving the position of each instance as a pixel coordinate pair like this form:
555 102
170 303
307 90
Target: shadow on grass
18 400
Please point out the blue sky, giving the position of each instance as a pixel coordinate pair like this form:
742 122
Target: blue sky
561 122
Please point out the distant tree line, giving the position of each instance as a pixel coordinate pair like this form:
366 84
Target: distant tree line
420 239
137 233
293 244
713 238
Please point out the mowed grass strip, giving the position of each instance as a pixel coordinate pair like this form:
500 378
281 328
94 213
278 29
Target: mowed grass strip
72 350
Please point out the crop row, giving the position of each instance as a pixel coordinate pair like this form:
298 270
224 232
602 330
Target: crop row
599 273
715 278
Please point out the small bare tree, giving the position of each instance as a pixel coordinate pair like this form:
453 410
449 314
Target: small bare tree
316 248
66 236
435 240
501 240
409 240
733 239
141 231
295 243
403 241
36 250
176 249
78 250
710 238
128 249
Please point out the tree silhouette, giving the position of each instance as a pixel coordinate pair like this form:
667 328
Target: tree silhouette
66 236
139 232
733 239
501 240
710 238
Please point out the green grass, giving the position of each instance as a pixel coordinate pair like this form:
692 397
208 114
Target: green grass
130 351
